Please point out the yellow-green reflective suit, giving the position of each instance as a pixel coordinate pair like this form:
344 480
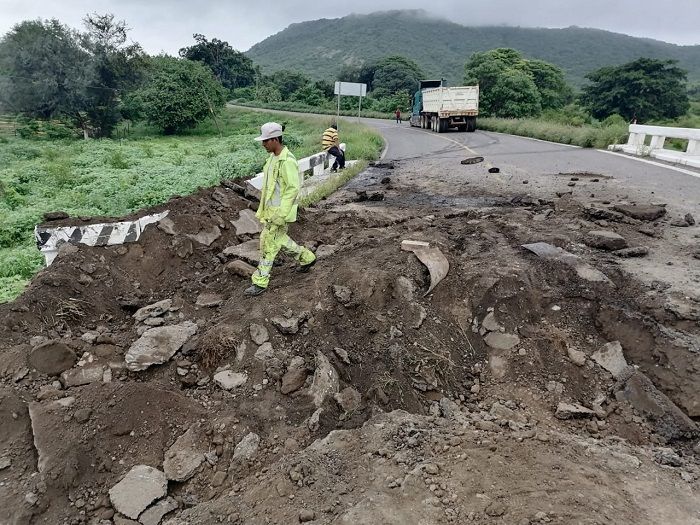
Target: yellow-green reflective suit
278 207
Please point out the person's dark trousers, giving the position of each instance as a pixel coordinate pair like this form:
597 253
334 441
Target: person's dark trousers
339 157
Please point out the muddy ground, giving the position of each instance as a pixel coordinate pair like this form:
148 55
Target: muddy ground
521 390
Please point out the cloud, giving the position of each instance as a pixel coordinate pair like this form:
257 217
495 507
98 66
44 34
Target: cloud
167 25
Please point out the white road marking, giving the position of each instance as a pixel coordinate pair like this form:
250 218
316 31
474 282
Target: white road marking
658 164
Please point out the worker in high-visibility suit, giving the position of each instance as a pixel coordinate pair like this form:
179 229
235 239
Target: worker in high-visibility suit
278 207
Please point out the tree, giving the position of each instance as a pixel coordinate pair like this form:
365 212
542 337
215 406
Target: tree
115 68
232 68
512 86
180 94
44 70
288 82
549 79
515 95
644 89
394 74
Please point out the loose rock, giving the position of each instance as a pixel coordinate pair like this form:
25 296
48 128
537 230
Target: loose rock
184 457
605 240
158 345
611 358
140 487
259 334
52 358
229 380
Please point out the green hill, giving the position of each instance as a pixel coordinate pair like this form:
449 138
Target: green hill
321 47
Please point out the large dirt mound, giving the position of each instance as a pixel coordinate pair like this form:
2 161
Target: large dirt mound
506 385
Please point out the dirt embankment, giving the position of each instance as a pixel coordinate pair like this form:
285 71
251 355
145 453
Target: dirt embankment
138 383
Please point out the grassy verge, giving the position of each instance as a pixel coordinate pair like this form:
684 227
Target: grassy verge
117 177
333 183
303 108
586 136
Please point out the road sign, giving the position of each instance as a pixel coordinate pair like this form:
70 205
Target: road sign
351 89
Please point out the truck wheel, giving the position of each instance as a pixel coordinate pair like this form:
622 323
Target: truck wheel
471 124
433 125
462 128
442 125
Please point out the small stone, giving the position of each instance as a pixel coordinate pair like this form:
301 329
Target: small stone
495 509
264 352
572 411
247 448
501 341
605 240
82 376
240 269
342 354
82 415
218 479
229 380
431 468
5 463
153 310
577 356
343 294
348 399
209 300
259 334
490 323
636 251
306 516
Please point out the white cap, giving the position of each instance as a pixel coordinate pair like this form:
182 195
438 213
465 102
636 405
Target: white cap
269 131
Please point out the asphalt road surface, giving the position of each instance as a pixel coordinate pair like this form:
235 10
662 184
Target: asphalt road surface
528 159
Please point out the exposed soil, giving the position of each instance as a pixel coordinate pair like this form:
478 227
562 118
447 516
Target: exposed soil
432 425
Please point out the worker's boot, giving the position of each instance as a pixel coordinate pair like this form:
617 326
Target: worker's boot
306 267
254 290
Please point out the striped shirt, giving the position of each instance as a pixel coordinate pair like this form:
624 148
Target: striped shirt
330 139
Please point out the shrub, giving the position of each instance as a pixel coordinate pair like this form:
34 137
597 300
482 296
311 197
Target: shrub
117 160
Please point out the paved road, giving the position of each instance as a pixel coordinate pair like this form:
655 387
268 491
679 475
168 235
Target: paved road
533 159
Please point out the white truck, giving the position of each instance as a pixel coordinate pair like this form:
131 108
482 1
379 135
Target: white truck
439 108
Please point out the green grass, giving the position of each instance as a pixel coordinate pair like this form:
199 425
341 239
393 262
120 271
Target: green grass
304 108
332 184
586 136
117 177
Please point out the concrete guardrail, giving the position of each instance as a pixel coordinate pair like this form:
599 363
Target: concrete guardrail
636 144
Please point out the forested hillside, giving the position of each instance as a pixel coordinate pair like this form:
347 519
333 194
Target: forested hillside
320 48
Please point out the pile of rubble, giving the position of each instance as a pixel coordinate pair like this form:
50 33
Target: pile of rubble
438 365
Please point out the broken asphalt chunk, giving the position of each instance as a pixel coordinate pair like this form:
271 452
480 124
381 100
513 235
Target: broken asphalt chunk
583 270
437 264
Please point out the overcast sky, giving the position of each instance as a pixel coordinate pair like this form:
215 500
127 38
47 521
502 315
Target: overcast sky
161 25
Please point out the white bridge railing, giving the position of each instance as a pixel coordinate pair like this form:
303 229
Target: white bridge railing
636 144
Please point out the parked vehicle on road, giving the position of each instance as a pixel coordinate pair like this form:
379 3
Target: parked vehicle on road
439 108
